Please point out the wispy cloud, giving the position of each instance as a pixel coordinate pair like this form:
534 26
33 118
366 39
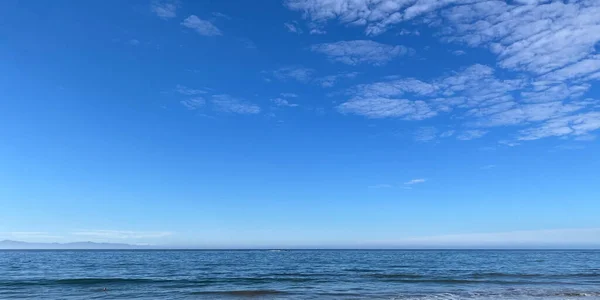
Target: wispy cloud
228 104
380 186
361 51
283 102
316 31
202 27
472 87
459 52
293 27
133 42
509 143
415 181
288 95
331 80
29 235
387 107
122 234
573 126
468 135
184 90
488 167
404 31
164 9
193 103
426 134
221 15
293 72
447 133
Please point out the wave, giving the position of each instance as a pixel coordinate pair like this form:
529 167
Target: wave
245 293
394 276
522 294
526 275
76 281
165 282
461 281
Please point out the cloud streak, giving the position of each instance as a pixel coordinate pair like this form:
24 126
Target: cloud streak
122 234
202 27
331 80
361 51
415 181
293 27
297 73
164 9
281 102
228 104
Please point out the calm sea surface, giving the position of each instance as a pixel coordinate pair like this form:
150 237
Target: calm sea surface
300 274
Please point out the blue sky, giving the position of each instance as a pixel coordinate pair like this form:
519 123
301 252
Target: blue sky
300 122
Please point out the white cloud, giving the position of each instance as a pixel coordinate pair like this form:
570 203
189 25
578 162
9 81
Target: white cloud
538 38
133 42
331 80
221 15
380 186
317 31
293 72
415 181
283 102
408 32
553 45
471 134
566 126
387 107
447 133
228 104
361 51
193 103
509 143
512 114
293 27
288 95
202 27
472 87
181 89
164 9
122 234
534 36
426 134
547 91
459 52
376 16
479 98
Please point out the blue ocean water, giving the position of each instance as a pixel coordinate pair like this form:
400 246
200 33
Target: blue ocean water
300 274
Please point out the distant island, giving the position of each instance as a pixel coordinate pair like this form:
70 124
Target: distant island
18 245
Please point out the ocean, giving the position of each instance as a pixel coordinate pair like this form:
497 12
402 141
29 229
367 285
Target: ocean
299 274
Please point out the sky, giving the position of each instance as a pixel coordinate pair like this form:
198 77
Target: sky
301 123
